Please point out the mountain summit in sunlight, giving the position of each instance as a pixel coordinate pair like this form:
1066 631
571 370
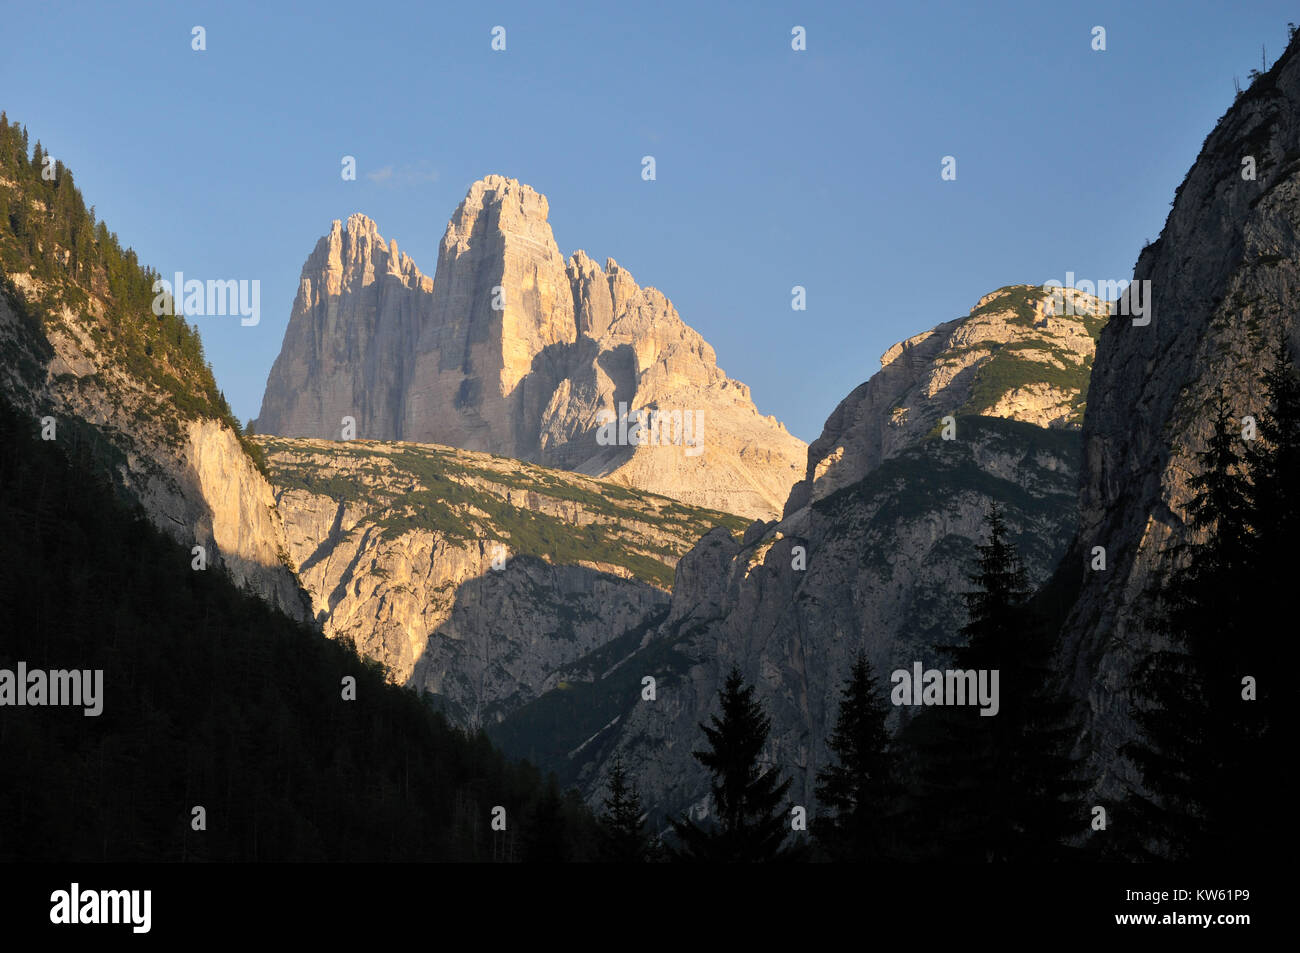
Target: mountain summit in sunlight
511 350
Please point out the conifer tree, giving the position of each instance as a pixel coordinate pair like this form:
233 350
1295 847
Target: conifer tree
1199 747
747 800
1000 787
1273 463
545 834
1262 651
857 790
623 837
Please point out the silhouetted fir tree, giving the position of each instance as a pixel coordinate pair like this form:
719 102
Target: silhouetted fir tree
1273 463
1193 757
857 791
748 801
545 833
1264 651
623 837
998 787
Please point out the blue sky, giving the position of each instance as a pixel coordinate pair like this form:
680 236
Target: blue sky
775 168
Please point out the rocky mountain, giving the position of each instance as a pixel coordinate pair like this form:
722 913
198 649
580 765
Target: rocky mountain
511 349
473 577
1013 356
87 361
1224 280
873 553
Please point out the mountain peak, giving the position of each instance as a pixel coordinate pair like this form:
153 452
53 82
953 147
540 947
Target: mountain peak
358 224
354 253
515 351
501 184
510 200
1022 353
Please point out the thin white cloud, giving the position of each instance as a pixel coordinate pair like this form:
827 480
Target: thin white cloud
412 174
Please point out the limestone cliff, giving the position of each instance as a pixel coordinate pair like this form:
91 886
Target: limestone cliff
187 470
514 351
360 306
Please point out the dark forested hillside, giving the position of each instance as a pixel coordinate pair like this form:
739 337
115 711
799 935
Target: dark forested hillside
213 699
